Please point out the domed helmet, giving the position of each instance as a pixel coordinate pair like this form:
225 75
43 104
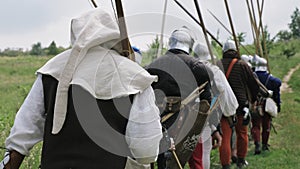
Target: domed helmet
261 64
181 39
229 45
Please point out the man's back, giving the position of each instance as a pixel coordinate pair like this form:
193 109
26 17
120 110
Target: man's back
241 80
179 74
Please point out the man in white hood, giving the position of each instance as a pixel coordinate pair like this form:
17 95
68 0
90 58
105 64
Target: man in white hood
92 107
227 104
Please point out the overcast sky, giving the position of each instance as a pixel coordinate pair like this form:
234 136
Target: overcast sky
23 23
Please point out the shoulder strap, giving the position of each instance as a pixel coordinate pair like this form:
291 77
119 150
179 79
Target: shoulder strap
267 81
230 67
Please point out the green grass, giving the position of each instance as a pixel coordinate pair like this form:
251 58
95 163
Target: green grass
17 76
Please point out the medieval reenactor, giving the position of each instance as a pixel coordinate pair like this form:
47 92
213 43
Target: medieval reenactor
91 107
245 88
179 74
262 119
227 104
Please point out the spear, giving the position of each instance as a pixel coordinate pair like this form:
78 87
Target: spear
260 11
252 27
263 33
204 31
227 30
159 52
126 47
200 24
94 3
232 27
256 29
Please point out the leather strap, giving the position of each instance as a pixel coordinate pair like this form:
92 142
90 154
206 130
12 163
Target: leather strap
230 67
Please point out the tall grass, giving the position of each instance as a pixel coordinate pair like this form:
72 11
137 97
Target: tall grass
17 74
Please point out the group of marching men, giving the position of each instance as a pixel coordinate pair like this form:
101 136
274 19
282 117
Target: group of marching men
94 108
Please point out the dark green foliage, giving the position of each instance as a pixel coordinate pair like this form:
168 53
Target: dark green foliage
241 37
36 49
12 52
284 35
153 48
151 53
52 49
295 24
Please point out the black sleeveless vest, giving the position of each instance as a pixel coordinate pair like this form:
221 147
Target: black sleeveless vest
72 147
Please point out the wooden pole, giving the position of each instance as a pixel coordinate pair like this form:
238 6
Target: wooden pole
254 28
260 11
232 27
176 158
204 31
263 35
126 47
159 52
200 24
94 3
227 30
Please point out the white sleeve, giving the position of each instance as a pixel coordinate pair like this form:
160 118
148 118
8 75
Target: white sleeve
28 128
227 99
144 131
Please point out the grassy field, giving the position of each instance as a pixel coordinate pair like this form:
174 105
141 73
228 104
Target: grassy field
17 76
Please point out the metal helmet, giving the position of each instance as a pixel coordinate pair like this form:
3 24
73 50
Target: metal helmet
261 64
229 45
181 39
254 60
250 58
201 52
247 59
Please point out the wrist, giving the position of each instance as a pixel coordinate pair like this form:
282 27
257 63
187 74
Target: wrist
5 160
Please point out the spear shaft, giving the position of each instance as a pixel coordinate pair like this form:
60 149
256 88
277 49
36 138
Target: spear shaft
204 31
126 47
256 29
200 24
263 34
260 11
94 3
159 52
232 27
253 27
227 30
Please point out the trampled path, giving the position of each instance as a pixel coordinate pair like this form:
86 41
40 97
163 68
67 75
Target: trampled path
285 87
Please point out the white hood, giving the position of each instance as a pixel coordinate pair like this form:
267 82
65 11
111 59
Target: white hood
92 64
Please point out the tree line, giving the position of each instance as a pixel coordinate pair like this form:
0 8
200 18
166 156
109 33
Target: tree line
283 36
36 50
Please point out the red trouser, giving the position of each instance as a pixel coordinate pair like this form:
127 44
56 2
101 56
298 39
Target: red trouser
241 140
195 162
265 122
